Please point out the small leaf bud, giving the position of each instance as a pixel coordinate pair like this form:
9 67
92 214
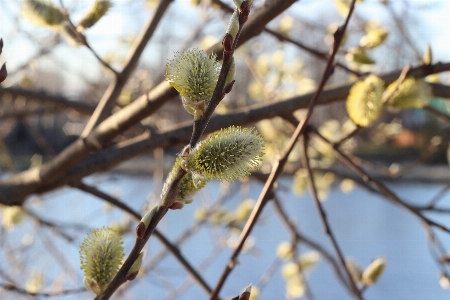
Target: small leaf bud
244 12
3 73
229 80
233 25
145 221
428 55
188 185
227 43
373 271
91 285
177 205
94 14
354 269
135 267
42 13
199 110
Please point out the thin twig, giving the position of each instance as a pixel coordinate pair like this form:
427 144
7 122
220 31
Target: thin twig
135 215
303 239
381 187
323 217
103 109
279 165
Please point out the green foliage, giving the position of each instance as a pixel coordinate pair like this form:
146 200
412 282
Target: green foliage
364 103
101 255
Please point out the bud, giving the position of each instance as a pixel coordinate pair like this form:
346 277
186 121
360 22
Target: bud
3 73
135 267
1 45
94 14
233 26
11 216
373 271
354 269
186 188
145 221
359 56
285 251
176 205
42 13
229 80
375 35
91 285
308 260
428 55
227 155
101 255
364 102
244 11
199 110
411 93
194 75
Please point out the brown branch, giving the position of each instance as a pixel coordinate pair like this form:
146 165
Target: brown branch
109 98
32 181
136 216
279 165
440 90
380 186
48 99
16 188
13 288
303 239
323 217
437 113
282 37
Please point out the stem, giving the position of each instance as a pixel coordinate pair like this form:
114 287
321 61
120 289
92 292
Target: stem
323 217
279 166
